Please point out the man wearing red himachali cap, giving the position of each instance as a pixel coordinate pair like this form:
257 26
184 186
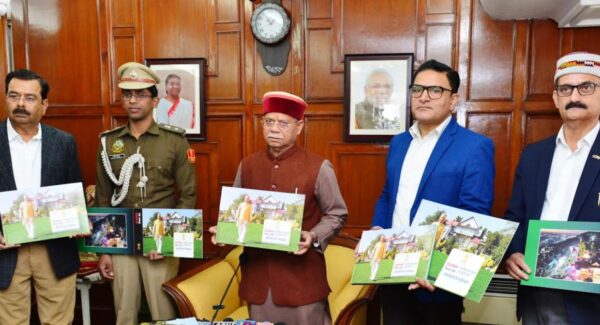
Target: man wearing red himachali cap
279 286
558 178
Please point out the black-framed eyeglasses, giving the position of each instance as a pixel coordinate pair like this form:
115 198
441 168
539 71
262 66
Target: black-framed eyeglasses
584 89
138 96
283 124
434 92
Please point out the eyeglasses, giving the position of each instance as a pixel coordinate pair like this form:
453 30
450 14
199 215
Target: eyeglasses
434 92
283 124
138 96
27 98
584 89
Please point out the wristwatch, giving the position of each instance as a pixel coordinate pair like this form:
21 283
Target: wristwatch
315 243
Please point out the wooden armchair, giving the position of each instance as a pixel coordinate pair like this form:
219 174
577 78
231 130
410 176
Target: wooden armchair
197 290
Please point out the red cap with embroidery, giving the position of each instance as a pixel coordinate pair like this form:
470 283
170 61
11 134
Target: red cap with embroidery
286 103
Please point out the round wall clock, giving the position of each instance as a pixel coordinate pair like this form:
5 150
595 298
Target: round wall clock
270 23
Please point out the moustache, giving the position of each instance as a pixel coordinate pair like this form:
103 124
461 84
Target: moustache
21 111
576 104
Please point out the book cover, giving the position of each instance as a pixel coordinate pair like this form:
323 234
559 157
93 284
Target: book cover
43 213
468 247
170 232
563 255
397 255
262 219
112 232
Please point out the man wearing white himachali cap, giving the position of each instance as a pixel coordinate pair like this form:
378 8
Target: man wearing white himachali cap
559 179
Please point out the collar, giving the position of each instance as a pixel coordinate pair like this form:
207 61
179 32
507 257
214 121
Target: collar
588 139
288 153
153 129
416 132
12 133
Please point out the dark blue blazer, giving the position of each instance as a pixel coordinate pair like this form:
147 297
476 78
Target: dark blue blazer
527 201
60 165
459 173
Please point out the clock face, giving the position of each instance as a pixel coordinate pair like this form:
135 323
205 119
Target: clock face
270 23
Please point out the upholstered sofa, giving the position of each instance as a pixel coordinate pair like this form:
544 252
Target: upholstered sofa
198 290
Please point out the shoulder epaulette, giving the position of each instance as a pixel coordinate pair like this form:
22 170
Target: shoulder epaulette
172 128
107 132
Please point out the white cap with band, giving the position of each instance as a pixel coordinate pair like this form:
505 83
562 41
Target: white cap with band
578 62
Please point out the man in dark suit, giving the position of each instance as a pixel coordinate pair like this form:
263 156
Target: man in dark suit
437 160
559 179
50 265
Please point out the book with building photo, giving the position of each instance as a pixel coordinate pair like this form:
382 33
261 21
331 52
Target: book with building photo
468 247
563 255
397 255
169 232
43 213
262 219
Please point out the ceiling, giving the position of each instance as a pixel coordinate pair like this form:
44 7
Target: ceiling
567 13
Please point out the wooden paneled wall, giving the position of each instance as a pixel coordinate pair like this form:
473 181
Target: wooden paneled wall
506 69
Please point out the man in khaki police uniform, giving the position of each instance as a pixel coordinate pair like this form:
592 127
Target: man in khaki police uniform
142 165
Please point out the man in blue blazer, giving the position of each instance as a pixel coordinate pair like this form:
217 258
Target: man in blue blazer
559 179
437 160
33 155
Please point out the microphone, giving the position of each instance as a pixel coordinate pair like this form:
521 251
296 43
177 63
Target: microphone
216 308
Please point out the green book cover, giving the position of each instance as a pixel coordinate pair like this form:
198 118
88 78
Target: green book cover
261 219
43 213
468 247
397 255
171 232
563 255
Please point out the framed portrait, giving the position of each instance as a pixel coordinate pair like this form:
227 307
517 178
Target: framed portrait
376 99
182 94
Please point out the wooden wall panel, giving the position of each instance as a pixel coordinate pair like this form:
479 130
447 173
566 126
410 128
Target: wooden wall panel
495 126
545 50
226 131
123 13
320 71
174 28
440 43
440 6
540 126
320 131
360 171
61 37
227 85
385 26
491 64
586 39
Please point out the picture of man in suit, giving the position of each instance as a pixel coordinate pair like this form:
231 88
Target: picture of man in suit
174 109
437 160
558 178
377 111
50 265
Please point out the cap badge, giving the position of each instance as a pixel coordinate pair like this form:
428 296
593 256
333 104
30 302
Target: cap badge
133 74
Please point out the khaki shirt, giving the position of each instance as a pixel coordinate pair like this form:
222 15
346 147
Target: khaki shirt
171 175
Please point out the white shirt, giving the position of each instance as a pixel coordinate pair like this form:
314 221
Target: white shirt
26 158
416 159
566 170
